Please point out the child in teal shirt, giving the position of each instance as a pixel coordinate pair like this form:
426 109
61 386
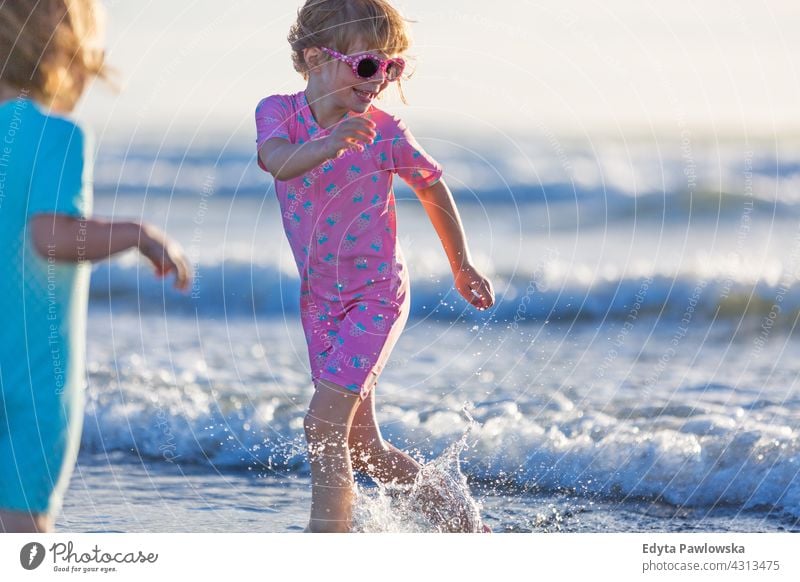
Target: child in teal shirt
47 241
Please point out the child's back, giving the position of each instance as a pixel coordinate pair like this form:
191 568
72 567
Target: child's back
43 301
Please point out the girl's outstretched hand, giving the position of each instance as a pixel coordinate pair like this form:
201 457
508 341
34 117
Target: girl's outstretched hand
354 132
474 287
166 255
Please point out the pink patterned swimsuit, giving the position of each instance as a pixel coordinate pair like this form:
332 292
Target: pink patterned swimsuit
339 219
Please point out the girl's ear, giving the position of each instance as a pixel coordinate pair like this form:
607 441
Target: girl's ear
313 57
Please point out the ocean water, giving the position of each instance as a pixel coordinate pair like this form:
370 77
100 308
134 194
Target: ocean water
637 372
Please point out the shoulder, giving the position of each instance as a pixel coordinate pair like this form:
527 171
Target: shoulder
390 127
59 135
57 125
387 122
62 134
277 102
43 127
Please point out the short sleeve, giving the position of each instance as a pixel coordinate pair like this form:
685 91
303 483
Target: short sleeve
61 177
272 120
412 163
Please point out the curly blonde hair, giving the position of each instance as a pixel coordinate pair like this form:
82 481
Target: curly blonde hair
51 48
337 24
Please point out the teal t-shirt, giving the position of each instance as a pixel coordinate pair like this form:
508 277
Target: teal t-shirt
45 167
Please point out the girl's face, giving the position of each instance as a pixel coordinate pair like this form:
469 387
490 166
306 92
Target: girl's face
350 91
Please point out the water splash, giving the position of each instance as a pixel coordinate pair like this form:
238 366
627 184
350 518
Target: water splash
439 500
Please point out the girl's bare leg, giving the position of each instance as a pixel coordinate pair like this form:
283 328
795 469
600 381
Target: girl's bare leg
327 424
374 456
19 522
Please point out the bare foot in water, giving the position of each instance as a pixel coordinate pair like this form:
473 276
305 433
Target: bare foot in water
486 529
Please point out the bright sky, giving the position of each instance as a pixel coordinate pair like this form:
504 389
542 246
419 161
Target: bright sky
525 65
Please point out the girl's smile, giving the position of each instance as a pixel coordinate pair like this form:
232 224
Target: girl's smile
367 94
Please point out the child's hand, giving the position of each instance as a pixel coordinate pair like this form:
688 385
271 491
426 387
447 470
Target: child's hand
166 255
352 132
474 287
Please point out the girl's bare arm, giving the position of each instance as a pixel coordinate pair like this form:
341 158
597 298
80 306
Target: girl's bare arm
66 238
438 203
286 160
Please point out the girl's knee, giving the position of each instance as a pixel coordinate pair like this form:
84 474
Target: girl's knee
322 429
365 455
317 429
331 410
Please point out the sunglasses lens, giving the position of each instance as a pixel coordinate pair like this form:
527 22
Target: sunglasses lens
367 67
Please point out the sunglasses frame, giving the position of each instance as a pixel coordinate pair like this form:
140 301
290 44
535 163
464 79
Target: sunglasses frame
355 61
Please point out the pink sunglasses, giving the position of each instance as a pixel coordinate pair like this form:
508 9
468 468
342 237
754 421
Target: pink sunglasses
367 66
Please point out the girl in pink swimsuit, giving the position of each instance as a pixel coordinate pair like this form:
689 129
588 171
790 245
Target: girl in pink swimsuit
333 155
340 222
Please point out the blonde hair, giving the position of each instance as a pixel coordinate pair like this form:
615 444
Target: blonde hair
337 24
51 48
